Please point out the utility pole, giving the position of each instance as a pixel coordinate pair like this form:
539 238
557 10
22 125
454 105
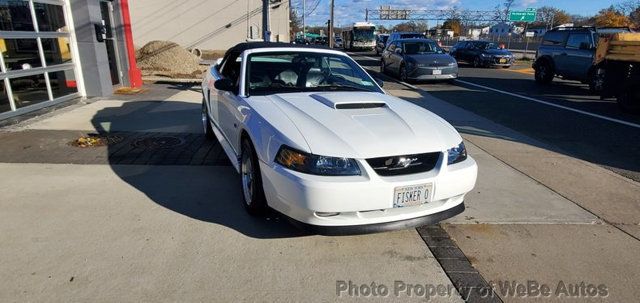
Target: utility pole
331 26
266 33
304 30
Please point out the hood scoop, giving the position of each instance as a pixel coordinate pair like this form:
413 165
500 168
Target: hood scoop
350 100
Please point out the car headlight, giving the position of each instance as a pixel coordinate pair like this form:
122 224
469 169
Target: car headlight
456 154
315 164
454 63
484 55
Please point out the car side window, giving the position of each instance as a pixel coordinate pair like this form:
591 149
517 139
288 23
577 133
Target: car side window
555 38
391 47
231 67
578 39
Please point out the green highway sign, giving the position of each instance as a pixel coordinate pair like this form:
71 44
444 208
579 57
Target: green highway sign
523 16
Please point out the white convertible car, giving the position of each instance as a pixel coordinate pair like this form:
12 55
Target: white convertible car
317 139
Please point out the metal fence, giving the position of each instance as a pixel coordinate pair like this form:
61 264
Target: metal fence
512 43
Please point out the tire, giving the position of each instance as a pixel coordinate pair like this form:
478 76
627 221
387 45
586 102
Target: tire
251 181
477 62
596 81
403 73
206 122
629 101
544 72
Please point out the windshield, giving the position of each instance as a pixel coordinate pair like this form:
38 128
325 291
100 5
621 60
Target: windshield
283 72
363 34
420 47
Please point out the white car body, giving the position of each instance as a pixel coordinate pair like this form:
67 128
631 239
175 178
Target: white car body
309 122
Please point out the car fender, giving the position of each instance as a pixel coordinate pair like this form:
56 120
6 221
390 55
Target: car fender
267 138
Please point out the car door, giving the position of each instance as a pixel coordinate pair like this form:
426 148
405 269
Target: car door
228 102
396 58
579 56
554 42
467 52
386 56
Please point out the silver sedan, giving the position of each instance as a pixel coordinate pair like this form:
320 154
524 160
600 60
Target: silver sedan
418 59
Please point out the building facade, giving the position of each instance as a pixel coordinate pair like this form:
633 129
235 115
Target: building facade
57 50
211 25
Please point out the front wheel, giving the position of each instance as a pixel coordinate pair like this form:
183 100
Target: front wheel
403 73
206 123
544 73
596 81
477 62
252 191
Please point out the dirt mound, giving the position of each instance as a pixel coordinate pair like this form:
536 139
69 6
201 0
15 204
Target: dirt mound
165 58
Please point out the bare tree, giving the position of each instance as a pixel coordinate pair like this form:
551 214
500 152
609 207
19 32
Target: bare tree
501 12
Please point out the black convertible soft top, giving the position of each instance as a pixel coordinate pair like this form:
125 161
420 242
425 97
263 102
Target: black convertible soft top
241 47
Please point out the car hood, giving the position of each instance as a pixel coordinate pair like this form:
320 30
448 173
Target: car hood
364 125
497 52
432 58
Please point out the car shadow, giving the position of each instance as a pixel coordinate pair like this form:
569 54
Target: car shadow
191 176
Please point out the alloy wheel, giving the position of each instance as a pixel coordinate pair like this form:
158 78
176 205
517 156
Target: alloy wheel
247 178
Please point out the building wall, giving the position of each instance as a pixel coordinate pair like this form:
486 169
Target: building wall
205 24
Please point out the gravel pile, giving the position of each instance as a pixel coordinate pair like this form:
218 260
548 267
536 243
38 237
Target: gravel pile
165 58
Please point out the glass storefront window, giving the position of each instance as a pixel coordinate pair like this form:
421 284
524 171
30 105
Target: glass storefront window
4 98
29 90
56 50
15 15
63 83
50 17
20 53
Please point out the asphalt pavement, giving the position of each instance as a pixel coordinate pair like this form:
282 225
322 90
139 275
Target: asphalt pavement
563 114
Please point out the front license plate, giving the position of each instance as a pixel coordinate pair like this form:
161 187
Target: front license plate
412 195
503 61
437 72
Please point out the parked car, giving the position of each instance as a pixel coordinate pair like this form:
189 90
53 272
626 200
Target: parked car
315 137
381 42
337 42
403 35
482 54
418 59
568 52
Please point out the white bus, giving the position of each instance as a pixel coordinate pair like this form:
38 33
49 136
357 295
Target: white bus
359 36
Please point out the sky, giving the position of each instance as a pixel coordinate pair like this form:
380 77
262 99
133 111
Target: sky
349 11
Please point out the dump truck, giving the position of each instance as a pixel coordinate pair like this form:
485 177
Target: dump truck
617 63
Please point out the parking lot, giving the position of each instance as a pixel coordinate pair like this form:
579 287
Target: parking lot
556 202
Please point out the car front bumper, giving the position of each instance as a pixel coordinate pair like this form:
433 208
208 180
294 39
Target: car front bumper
361 204
427 73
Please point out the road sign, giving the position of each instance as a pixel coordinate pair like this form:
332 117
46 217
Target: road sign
523 16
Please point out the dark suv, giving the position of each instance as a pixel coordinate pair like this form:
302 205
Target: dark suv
568 53
482 53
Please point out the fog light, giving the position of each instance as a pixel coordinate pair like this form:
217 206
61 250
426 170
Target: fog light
326 214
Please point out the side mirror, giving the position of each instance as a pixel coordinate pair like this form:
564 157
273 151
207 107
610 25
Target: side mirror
379 81
224 85
398 51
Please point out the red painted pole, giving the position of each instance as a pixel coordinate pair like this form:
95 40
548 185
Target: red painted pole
135 76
